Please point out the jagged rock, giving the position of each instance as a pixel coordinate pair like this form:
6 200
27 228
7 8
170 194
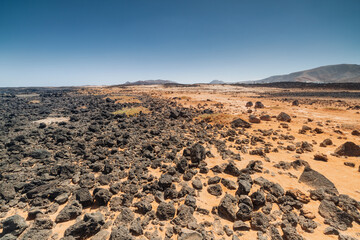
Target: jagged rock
244 187
215 190
89 226
335 216
102 196
316 180
120 233
7 191
70 211
14 225
184 216
186 234
241 226
136 228
125 217
231 169
197 153
227 208
229 184
259 221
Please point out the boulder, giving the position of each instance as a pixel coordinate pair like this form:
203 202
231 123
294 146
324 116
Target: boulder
239 123
316 180
187 234
165 211
14 225
120 233
283 117
215 190
69 212
228 207
89 226
348 149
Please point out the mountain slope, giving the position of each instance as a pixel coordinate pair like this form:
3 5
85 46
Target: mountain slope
150 82
327 74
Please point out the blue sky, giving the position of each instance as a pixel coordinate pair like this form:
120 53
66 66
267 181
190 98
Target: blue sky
87 42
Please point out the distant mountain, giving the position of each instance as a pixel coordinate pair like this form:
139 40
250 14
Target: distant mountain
340 73
150 82
217 82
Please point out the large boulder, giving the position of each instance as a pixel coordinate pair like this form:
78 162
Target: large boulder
348 149
316 180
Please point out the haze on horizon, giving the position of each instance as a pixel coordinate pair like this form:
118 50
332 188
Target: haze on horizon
87 42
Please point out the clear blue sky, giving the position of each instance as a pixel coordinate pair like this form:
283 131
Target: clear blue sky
80 42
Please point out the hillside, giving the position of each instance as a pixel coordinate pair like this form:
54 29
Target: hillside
150 82
340 73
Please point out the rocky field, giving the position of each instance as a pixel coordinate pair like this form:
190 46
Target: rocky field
177 162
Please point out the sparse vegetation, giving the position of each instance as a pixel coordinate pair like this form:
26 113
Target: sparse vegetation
132 111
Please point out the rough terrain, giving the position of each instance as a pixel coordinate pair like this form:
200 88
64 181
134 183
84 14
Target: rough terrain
179 162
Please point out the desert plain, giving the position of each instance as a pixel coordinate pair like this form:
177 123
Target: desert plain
179 162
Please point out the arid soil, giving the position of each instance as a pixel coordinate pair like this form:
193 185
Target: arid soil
179 162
